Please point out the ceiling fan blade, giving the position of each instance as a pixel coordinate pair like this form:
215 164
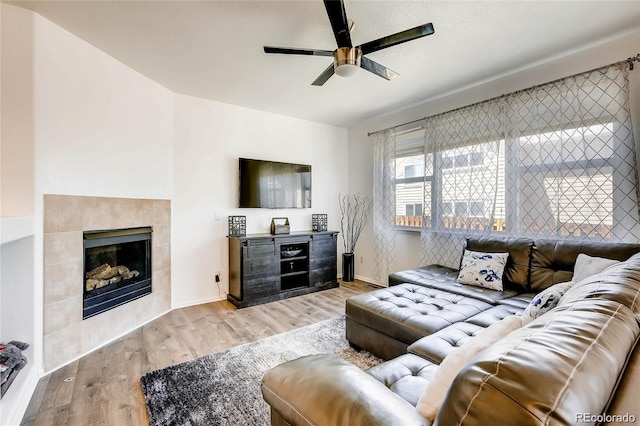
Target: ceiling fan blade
322 78
294 51
377 69
394 39
339 24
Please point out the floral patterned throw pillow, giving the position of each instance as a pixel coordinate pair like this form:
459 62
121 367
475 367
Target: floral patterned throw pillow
545 301
482 269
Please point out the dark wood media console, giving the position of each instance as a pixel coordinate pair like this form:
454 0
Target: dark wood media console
265 268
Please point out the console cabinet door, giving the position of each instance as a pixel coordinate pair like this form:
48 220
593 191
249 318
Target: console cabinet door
323 260
260 270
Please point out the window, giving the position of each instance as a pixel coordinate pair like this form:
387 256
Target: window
460 208
447 163
413 170
555 160
470 188
467 172
568 180
461 160
410 190
411 182
476 209
413 209
466 159
477 158
552 161
447 209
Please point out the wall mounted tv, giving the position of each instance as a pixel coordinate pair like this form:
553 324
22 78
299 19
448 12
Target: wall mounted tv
274 185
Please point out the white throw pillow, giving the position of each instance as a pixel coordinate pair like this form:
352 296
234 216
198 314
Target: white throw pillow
544 301
433 396
587 266
482 269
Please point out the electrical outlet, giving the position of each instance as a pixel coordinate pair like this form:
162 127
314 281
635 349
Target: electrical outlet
361 259
217 278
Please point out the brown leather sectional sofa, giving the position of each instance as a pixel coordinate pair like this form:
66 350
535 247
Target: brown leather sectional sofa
578 363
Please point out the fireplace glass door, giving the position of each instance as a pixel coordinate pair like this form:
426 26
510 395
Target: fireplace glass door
117 268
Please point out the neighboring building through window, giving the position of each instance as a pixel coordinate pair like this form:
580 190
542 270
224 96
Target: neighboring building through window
573 196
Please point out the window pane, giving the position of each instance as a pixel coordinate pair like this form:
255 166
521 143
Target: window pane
409 171
567 146
461 160
476 208
461 208
408 196
574 203
566 182
447 208
469 193
477 158
418 209
447 162
408 167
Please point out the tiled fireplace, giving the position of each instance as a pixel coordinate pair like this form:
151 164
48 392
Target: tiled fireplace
71 221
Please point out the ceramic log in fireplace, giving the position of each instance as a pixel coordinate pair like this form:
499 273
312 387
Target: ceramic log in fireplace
117 268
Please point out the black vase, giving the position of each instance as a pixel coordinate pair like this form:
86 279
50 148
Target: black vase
347 266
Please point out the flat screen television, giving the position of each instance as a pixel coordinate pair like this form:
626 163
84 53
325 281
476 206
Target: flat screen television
274 185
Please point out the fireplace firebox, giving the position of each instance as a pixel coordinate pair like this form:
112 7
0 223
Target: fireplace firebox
117 268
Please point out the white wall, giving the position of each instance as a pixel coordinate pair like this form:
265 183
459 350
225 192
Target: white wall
209 137
88 125
361 146
16 101
100 128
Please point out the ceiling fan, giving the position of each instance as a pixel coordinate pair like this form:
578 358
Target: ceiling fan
346 58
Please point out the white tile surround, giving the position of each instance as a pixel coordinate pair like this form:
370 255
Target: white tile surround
66 335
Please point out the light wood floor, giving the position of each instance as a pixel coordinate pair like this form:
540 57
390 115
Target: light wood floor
104 386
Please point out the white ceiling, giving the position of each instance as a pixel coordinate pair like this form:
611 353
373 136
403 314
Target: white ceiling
213 49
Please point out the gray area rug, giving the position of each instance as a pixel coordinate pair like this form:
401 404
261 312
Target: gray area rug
224 388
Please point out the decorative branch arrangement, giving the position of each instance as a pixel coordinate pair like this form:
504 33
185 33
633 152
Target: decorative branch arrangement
355 214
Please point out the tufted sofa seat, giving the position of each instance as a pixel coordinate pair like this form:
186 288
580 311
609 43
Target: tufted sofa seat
406 313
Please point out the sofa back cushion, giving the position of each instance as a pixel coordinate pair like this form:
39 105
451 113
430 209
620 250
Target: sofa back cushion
552 261
619 283
564 363
516 271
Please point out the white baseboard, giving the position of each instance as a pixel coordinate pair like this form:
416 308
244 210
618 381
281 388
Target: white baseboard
366 280
369 280
197 302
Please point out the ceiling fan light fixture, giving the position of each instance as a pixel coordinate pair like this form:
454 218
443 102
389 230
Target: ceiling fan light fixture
346 58
346 70
347 61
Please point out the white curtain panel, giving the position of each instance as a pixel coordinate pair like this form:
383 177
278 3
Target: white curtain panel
557 161
384 204
572 170
464 155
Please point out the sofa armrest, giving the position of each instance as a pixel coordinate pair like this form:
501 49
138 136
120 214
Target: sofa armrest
327 390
